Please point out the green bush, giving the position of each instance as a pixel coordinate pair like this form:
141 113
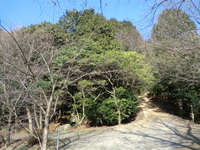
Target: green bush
105 111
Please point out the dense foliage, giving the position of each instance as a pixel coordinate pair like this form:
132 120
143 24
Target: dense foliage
106 63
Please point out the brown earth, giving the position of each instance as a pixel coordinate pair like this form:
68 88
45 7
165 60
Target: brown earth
153 129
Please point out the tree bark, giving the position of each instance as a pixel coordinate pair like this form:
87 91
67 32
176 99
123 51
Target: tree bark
8 131
192 113
40 119
180 105
30 122
119 117
46 120
46 129
36 117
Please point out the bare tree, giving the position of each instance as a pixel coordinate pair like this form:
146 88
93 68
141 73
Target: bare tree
29 57
11 92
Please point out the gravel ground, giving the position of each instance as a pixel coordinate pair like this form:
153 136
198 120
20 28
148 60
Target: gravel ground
152 130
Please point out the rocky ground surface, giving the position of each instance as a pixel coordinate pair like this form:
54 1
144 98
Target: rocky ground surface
153 129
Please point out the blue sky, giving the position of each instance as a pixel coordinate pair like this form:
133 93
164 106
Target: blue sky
17 13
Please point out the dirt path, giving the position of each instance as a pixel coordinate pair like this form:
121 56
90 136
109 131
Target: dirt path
152 130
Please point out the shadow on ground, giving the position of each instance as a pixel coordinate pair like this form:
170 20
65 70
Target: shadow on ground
153 129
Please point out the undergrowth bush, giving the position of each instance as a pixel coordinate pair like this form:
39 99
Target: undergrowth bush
106 110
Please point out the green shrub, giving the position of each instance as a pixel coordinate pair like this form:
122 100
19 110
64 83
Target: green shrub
106 111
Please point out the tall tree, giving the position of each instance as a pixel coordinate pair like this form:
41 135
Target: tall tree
90 25
175 39
128 36
191 6
176 57
173 24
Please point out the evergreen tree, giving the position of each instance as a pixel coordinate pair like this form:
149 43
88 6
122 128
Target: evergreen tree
91 26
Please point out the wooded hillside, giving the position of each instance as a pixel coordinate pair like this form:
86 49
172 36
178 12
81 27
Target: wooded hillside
91 70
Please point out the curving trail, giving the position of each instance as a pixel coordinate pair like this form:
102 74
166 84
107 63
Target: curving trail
152 130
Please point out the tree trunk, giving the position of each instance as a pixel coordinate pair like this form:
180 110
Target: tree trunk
46 119
36 117
40 120
8 130
180 105
119 117
30 122
3 141
192 113
118 107
46 126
